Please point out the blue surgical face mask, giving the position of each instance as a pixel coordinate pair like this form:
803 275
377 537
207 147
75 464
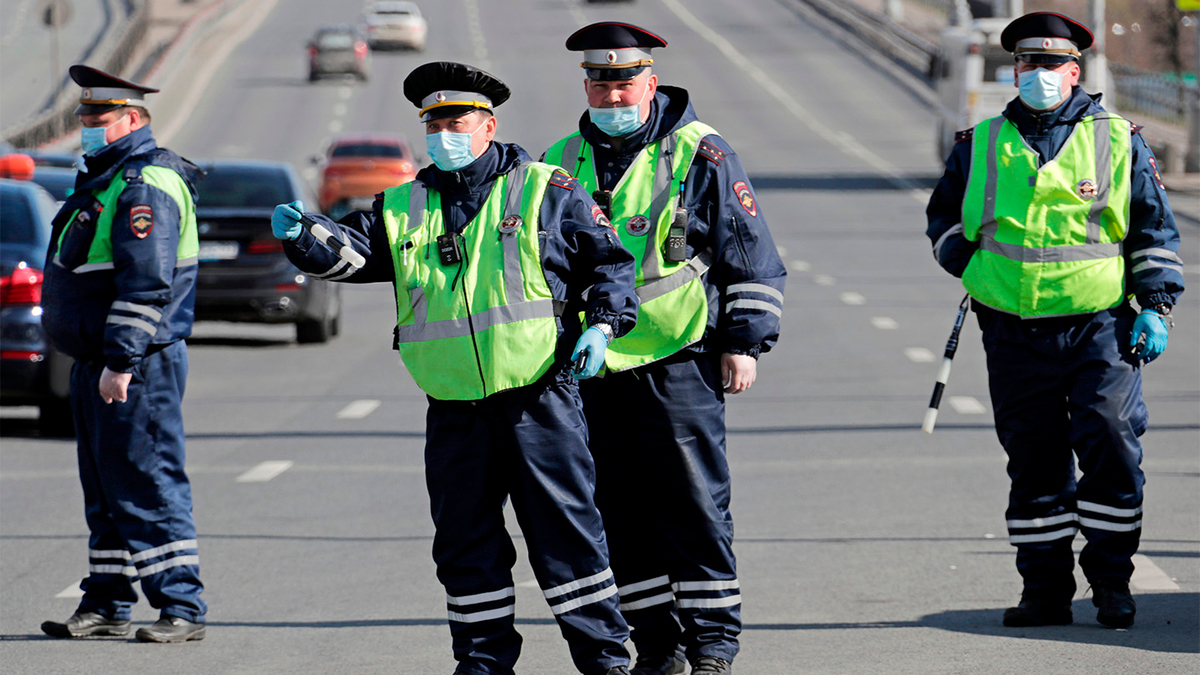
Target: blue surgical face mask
450 150
1041 88
619 121
92 139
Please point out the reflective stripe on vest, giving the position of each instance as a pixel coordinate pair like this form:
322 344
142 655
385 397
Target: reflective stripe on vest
673 309
468 331
100 254
1050 236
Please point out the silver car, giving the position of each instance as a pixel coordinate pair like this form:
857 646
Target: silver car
338 50
394 24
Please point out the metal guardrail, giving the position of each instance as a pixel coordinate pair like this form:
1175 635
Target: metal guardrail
60 117
1150 93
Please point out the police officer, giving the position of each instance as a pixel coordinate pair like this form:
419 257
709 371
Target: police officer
1054 215
710 284
490 254
118 296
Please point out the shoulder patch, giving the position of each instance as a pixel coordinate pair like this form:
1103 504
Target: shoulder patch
1157 176
141 220
562 180
711 152
745 198
964 135
1136 128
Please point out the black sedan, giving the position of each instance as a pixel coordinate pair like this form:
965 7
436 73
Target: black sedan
244 274
31 371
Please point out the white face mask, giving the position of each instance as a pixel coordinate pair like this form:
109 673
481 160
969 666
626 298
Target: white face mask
1041 88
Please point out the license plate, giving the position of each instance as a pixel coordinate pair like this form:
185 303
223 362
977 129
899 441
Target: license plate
218 250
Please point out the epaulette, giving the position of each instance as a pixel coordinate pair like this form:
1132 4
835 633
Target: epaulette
711 152
1135 128
964 135
563 180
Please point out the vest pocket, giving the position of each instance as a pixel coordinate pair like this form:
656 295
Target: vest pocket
77 240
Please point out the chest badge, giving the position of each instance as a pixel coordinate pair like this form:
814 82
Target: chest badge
1086 188
510 224
141 221
637 225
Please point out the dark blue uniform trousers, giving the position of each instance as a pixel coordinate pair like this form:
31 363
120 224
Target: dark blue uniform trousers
663 486
529 444
137 498
1066 388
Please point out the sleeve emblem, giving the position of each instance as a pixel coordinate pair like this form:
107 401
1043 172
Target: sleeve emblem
599 217
1157 176
141 220
745 197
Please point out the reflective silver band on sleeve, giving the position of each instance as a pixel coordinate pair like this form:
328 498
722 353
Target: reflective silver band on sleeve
754 288
138 309
753 304
937 245
132 321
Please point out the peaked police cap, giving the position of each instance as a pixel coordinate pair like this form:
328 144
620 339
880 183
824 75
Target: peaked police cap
613 50
446 89
103 92
1045 37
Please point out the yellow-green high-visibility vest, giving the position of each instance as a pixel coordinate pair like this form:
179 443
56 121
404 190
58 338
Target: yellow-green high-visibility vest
1050 236
673 306
466 331
100 254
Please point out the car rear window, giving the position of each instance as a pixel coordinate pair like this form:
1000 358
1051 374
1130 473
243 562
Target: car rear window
366 150
335 41
16 219
244 186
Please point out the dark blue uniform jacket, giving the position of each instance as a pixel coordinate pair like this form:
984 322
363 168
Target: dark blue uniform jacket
578 253
725 219
153 296
1151 224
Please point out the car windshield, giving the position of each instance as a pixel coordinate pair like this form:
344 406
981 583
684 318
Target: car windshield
335 41
16 218
58 183
226 186
366 150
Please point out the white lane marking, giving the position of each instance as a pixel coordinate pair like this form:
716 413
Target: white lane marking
919 355
781 250
310 173
884 323
475 28
824 280
967 405
852 298
576 12
1191 269
335 126
199 83
840 139
345 93
358 409
801 265
265 471
72 591
1149 577
339 109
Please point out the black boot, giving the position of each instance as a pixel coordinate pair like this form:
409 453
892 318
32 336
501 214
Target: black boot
1115 603
710 665
1038 609
83 624
661 665
171 629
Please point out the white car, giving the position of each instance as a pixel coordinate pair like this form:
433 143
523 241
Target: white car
395 24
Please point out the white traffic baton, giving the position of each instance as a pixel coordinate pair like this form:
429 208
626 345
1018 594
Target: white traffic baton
330 241
943 375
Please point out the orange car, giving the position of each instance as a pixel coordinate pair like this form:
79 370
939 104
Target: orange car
359 166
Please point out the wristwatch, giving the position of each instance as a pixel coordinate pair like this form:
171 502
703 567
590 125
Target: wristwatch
1164 310
606 330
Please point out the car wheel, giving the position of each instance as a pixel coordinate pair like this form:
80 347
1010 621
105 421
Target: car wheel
55 419
310 331
362 75
312 76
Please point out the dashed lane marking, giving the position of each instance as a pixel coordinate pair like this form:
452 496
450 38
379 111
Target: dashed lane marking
801 265
884 323
824 280
919 355
358 409
1149 577
967 405
345 93
265 471
852 298
340 109
335 126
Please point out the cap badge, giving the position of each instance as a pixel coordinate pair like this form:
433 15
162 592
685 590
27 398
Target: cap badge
87 93
611 57
637 225
510 224
1086 188
440 97
1047 43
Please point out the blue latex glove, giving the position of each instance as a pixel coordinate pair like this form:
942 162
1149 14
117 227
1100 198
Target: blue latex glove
591 347
1150 325
285 222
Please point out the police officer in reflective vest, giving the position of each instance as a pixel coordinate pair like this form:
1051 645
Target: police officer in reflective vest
491 254
118 297
710 285
1054 216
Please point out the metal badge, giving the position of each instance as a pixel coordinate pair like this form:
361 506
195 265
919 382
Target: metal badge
510 224
1086 188
637 225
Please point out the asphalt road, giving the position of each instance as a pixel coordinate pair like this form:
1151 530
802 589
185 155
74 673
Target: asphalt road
27 48
865 546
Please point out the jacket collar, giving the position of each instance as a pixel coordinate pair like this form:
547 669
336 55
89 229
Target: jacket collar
670 110
497 159
1078 105
104 164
